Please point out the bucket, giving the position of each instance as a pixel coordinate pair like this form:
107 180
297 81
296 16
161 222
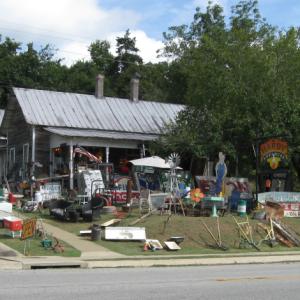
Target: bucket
242 208
12 198
46 243
96 232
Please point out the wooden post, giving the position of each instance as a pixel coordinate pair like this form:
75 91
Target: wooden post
71 165
107 161
33 150
32 170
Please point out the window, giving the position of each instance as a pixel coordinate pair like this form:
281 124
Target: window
12 157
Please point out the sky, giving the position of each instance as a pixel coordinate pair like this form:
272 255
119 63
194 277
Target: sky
71 25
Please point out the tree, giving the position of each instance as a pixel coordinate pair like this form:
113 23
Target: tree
126 64
240 81
101 56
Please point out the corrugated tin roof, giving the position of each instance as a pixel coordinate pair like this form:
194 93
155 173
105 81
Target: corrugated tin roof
58 109
101 134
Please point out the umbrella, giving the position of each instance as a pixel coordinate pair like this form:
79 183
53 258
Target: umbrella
152 161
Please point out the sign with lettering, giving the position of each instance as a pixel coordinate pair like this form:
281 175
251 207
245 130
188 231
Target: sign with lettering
28 228
274 151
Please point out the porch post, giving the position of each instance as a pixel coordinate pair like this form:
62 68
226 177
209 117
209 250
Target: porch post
107 154
107 161
32 169
33 151
71 165
142 150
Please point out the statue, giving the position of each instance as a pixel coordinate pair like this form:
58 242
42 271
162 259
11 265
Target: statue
221 171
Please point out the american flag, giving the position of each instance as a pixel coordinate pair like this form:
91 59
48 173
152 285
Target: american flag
84 152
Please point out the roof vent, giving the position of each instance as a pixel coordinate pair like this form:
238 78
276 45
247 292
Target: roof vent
134 87
99 86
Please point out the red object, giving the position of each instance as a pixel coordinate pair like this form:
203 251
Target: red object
146 246
12 223
12 198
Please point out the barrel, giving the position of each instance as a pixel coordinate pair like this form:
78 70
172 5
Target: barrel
242 208
96 233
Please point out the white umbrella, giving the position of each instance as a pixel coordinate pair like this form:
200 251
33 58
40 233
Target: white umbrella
152 161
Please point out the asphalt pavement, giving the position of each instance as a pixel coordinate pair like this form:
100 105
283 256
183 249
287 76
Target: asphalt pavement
234 282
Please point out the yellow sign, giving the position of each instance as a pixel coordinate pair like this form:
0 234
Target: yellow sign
28 228
274 151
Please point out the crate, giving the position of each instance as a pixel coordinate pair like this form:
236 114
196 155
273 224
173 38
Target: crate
12 223
13 233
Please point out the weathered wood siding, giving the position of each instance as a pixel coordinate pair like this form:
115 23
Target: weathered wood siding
19 133
42 152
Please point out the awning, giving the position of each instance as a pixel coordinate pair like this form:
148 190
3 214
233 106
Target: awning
152 161
115 135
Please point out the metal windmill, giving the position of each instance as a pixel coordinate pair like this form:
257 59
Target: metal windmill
173 160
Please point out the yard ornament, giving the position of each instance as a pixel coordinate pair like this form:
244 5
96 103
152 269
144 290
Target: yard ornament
221 171
196 195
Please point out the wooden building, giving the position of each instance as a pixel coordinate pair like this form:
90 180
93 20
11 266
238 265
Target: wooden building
3 149
43 127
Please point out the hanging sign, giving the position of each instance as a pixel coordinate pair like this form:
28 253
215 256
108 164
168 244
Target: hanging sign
274 151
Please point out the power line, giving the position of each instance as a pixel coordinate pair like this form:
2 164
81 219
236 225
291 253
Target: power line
47 30
67 51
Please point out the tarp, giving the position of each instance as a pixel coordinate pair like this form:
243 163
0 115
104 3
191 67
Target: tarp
152 161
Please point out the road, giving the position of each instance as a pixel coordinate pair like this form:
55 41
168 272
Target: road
237 282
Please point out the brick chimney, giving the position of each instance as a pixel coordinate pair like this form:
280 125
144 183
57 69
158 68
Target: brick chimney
99 86
134 87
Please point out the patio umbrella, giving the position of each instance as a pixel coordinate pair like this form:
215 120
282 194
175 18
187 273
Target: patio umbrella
152 161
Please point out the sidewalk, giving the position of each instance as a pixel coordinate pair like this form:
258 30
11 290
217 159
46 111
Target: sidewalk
88 249
23 263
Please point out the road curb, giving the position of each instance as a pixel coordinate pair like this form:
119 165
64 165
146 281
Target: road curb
54 265
29 263
192 262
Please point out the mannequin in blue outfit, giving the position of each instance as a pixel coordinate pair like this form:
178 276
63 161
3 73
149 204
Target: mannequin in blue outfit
221 171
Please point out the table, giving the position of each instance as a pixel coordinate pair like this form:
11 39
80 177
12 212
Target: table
214 200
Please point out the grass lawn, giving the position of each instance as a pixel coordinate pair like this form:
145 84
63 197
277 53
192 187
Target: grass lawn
35 248
196 237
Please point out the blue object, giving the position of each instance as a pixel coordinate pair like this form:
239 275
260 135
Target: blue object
234 199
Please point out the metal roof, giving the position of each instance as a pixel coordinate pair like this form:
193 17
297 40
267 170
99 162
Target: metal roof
101 134
71 110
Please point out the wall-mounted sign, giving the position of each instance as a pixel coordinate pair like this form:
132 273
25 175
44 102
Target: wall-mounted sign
274 152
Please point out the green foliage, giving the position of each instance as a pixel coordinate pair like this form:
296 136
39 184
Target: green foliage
239 82
126 64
